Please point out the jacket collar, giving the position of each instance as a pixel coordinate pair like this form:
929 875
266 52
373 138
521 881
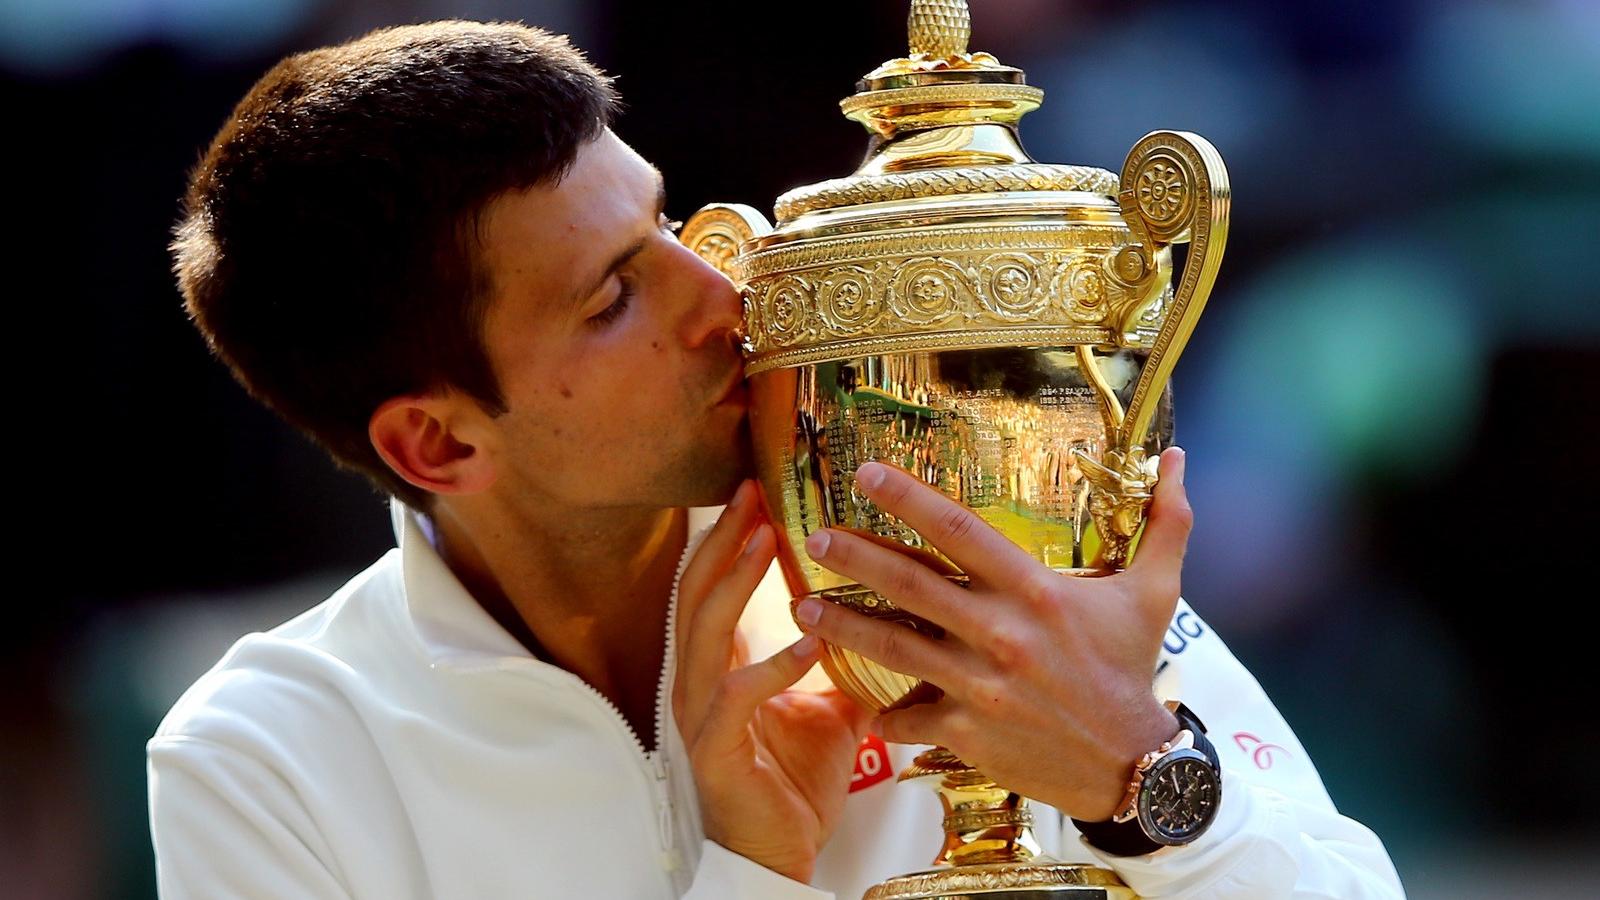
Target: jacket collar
452 627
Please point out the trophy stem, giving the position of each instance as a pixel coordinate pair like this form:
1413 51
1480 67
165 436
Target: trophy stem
989 851
983 822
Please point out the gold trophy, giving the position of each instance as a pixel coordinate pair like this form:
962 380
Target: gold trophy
1002 328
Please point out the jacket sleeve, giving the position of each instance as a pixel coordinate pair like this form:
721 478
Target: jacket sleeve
225 826
1277 833
725 875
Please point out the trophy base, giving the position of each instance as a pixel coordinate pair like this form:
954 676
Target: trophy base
1005 881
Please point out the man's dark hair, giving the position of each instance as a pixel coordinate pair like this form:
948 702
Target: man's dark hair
328 246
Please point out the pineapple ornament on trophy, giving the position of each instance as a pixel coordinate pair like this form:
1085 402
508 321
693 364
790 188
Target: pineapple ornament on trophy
1001 328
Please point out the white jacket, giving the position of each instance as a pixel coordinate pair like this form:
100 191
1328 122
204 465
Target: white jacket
395 742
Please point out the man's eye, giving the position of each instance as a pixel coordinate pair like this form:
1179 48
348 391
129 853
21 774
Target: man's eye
616 309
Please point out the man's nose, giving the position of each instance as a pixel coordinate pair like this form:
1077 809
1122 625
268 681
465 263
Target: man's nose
714 310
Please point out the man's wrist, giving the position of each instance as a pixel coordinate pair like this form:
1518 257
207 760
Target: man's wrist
1153 815
1157 726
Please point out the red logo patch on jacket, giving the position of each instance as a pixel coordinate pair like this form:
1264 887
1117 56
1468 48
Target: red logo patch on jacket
872 763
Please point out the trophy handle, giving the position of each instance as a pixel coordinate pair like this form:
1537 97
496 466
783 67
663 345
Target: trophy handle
717 230
1174 189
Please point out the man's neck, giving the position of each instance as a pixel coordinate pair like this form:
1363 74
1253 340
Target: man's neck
585 590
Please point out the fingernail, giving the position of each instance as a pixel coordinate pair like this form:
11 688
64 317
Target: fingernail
738 496
870 475
1183 459
755 536
817 544
809 611
805 646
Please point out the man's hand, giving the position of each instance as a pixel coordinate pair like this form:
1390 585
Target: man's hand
1047 678
772 766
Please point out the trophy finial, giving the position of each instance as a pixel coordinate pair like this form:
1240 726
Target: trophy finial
939 29
938 33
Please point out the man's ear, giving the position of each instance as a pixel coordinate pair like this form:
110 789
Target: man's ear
432 441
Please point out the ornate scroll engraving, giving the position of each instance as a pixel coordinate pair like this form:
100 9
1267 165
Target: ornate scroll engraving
1084 290
787 307
716 232
930 290
717 249
1013 288
878 286
841 306
1166 192
850 298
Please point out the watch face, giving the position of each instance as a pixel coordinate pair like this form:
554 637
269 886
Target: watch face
1179 797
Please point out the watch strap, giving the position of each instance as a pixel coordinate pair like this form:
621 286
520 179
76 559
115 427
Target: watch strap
1117 838
1128 838
1187 719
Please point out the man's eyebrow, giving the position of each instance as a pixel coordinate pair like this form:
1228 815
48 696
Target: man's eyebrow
629 252
617 262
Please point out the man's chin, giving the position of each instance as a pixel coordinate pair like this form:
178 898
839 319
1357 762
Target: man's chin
714 483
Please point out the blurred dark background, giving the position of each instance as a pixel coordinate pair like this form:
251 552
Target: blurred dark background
1388 405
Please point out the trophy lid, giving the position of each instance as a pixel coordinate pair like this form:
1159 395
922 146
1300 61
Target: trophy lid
949 235
943 124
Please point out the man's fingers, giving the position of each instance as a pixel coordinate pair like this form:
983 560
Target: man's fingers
847 707
708 638
717 552
957 531
1159 558
741 649
923 723
890 644
906 580
740 692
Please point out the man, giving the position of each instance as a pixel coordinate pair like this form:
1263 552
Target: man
427 249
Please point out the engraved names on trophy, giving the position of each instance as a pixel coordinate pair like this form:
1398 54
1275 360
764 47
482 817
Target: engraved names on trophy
1006 446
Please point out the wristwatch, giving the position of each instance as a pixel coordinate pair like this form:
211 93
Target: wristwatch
1172 797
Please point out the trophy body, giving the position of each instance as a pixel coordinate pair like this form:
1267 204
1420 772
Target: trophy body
999 428
1004 330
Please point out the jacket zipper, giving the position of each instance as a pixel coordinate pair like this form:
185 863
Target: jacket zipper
656 760
655 763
